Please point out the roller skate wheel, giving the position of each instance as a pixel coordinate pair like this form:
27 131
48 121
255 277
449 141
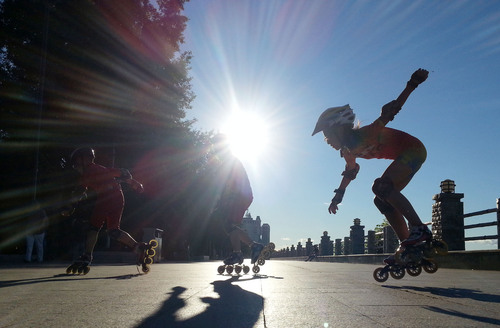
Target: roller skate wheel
146 268
237 269
430 267
151 252
261 262
221 269
69 270
246 269
380 275
414 270
153 243
266 255
229 269
148 260
398 273
86 270
74 269
80 269
256 269
271 246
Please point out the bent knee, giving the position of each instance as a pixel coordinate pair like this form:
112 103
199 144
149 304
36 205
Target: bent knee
382 187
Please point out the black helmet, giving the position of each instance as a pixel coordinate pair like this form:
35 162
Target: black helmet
81 153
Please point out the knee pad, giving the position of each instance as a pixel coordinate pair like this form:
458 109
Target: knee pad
382 187
383 206
115 233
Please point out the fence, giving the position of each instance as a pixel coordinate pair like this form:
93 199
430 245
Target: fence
447 224
485 224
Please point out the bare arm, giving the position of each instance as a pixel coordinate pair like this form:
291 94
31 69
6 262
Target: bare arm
390 109
126 177
349 174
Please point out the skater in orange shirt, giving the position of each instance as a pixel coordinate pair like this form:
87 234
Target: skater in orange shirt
378 141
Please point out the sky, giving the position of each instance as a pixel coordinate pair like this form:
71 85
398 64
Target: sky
282 63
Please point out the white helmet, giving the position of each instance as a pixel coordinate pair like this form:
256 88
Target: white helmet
334 116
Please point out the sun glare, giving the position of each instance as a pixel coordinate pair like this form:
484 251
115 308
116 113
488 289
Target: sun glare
247 134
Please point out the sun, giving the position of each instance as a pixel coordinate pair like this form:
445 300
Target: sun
247 134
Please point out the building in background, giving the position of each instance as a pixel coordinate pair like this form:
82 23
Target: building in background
256 230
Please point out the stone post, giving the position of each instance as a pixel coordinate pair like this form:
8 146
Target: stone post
347 246
338 246
448 217
371 242
300 250
390 240
309 246
357 237
326 245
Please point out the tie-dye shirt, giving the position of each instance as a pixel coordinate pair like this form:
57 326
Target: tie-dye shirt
377 141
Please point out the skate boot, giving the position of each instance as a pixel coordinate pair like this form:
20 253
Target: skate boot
418 235
233 263
415 248
145 253
260 254
81 265
256 251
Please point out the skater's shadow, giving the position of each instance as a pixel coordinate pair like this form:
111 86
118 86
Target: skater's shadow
60 278
463 315
234 307
453 292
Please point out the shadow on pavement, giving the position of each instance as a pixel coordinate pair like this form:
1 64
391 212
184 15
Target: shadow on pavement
60 277
463 315
456 293
235 307
453 292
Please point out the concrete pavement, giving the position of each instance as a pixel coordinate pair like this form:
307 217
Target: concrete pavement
284 294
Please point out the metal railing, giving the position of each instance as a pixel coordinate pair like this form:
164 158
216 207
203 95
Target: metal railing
485 224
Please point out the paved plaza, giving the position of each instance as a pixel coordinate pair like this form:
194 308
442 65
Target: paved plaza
284 294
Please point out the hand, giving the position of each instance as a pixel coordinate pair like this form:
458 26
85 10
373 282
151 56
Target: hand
419 76
337 199
333 208
137 186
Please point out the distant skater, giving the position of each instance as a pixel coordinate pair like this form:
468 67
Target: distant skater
314 254
378 141
36 227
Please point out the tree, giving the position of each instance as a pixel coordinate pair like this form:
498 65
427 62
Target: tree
105 73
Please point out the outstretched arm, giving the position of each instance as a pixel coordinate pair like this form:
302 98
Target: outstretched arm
135 185
349 174
126 177
390 109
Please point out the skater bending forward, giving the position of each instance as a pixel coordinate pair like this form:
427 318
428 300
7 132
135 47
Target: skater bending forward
235 198
378 141
104 183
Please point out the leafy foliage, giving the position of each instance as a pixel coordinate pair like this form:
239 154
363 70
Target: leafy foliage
107 74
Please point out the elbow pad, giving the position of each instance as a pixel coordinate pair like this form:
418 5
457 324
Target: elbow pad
351 174
389 111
